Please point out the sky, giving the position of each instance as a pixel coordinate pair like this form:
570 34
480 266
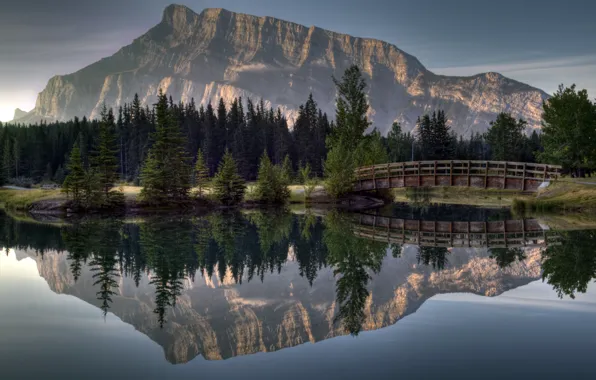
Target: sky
540 42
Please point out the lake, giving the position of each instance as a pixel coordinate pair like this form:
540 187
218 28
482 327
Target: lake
426 292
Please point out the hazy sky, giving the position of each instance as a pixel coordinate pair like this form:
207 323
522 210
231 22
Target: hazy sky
540 42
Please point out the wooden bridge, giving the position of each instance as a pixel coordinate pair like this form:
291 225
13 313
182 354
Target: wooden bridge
479 174
492 234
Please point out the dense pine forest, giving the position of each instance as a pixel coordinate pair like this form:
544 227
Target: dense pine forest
157 147
39 153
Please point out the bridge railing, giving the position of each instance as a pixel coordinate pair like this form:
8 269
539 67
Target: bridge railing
449 169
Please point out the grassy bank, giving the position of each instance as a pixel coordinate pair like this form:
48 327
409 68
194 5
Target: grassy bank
560 196
23 200
459 196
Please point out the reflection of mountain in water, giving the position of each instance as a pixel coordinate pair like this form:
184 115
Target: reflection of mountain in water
224 286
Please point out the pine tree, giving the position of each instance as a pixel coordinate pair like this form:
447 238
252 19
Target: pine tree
287 169
166 173
272 183
228 186
74 183
106 162
201 174
346 138
7 161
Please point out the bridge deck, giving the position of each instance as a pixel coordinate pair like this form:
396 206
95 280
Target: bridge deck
491 234
480 174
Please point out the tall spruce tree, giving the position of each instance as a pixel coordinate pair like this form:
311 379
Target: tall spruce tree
167 171
74 183
228 186
201 174
106 161
506 138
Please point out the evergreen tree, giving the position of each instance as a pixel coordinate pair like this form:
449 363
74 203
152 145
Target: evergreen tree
106 161
166 174
346 139
228 186
74 183
287 170
506 138
272 184
7 160
201 174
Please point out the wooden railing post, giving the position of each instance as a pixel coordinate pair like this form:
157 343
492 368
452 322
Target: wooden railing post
505 176
469 164
486 175
435 178
419 178
524 178
451 173
374 178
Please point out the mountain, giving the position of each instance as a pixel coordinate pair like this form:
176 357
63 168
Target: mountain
219 320
218 53
19 113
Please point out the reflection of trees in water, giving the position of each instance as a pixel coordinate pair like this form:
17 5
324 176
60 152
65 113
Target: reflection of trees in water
504 257
235 246
433 256
352 258
571 266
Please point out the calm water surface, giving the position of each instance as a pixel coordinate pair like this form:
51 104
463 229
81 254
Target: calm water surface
269 295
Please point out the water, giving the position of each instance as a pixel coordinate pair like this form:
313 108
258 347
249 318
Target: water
280 294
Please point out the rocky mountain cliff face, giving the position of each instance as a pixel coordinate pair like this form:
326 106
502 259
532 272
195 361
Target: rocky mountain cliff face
19 113
221 54
219 320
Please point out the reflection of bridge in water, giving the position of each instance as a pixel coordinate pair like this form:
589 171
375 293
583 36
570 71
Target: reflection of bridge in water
518 176
490 234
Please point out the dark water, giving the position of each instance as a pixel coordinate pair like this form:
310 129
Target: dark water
295 296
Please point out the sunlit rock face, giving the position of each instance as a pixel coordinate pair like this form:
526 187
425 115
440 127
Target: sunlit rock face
220 54
219 319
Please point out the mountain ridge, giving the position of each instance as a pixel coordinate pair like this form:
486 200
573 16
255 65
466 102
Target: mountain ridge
221 54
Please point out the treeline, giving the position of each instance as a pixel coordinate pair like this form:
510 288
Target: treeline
39 152
434 139
161 144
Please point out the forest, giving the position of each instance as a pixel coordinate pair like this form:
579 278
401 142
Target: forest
249 132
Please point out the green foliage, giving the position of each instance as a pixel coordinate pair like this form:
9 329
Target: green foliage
272 182
228 186
347 143
398 144
435 140
506 138
339 171
75 181
352 258
106 161
287 171
569 130
201 173
373 150
571 266
166 173
309 184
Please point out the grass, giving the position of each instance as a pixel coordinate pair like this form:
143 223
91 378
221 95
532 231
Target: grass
460 195
23 199
561 196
